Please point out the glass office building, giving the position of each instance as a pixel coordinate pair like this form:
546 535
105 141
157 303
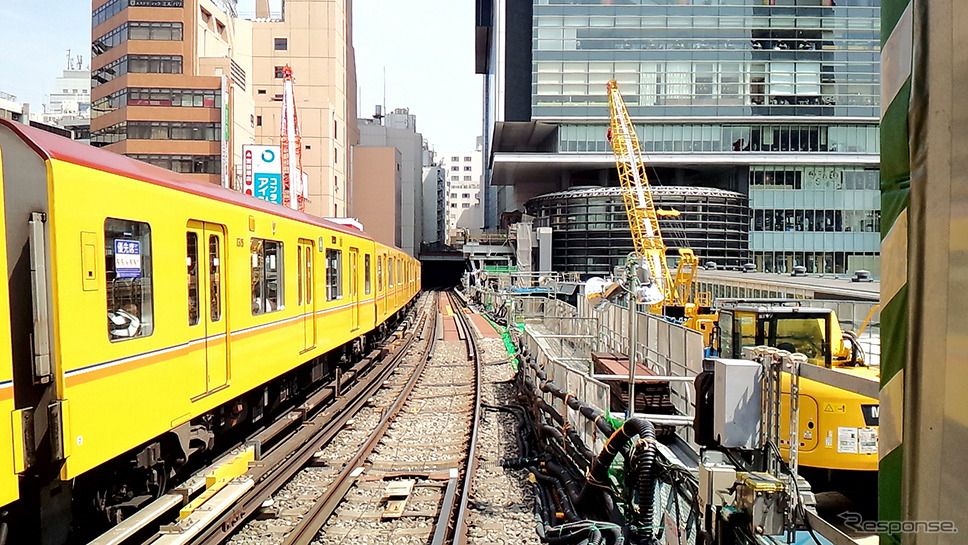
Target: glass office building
774 99
591 229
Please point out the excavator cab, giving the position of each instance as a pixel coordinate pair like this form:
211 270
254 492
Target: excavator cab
813 332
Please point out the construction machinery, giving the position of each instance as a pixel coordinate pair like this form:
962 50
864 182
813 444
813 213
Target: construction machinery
290 144
681 300
838 425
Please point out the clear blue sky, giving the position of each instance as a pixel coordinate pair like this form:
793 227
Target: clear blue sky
426 46
34 40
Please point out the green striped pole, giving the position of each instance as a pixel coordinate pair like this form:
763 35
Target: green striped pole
896 55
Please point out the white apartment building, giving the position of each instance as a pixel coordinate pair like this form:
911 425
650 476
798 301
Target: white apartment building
464 206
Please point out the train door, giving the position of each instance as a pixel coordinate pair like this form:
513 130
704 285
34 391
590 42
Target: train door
306 299
208 276
354 288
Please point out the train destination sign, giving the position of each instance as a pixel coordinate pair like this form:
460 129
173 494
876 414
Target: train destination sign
127 258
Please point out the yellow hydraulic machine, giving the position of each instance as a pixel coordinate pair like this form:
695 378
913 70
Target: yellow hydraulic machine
681 300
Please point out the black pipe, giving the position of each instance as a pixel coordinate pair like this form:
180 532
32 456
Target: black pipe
597 482
643 462
565 502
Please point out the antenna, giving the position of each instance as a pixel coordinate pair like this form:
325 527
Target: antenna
69 62
384 89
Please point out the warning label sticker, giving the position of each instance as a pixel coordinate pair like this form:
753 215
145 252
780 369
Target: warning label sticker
867 440
847 440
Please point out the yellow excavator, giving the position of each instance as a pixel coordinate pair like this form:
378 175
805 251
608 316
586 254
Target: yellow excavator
838 427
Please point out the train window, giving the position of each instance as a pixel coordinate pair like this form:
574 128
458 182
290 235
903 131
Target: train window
299 279
366 274
379 273
192 260
309 275
334 274
399 272
214 277
267 276
390 283
127 260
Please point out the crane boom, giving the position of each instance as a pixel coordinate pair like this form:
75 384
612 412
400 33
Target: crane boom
637 194
290 144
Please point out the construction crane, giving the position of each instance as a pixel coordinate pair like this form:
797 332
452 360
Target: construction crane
290 144
681 301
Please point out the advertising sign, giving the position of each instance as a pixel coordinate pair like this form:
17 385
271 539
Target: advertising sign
262 172
226 131
127 258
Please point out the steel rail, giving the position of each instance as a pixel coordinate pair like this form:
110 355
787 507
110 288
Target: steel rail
460 522
314 520
285 459
175 498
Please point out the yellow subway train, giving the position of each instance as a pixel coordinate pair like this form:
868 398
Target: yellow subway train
150 315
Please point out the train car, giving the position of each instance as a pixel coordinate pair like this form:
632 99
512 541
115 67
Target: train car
175 311
11 459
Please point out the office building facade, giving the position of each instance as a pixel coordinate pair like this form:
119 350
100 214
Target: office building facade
592 236
184 84
463 195
398 130
313 37
169 84
774 99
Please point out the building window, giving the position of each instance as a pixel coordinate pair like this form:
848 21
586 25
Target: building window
127 261
465 205
453 205
156 130
114 7
467 158
144 64
281 44
453 195
455 168
468 178
465 195
258 121
467 169
188 164
455 158
455 178
267 279
280 72
334 274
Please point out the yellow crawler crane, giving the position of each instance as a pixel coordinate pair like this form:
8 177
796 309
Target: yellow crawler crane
681 302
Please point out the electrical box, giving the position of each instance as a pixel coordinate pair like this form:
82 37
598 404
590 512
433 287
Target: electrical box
763 497
716 477
737 401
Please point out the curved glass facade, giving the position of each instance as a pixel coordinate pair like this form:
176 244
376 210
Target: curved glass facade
707 57
591 231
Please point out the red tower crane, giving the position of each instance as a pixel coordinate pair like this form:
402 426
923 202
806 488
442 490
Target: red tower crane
290 144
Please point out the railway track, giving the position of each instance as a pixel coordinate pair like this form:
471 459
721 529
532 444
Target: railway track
387 456
408 481
210 505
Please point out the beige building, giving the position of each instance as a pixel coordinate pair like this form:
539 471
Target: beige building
377 171
156 88
314 38
157 84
